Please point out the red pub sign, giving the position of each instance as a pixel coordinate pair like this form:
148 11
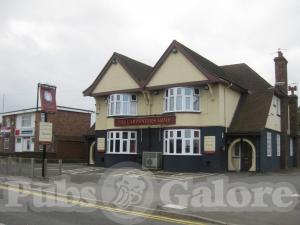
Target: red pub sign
149 120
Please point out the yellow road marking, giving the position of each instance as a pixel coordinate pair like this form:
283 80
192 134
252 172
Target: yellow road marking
101 207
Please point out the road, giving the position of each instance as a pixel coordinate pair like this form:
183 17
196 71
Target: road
82 212
88 176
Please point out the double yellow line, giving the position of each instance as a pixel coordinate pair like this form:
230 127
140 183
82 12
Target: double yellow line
82 203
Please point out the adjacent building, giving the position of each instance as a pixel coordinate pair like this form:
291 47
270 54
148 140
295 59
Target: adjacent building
198 115
20 130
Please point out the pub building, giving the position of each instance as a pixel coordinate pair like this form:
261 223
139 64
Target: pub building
199 116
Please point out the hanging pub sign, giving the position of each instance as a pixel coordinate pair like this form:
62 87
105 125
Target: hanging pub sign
149 120
48 98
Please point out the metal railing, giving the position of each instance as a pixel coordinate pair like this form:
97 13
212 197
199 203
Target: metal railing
29 167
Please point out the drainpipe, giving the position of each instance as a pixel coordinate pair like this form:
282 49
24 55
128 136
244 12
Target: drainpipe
147 98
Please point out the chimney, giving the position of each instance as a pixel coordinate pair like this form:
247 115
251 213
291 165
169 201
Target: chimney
281 72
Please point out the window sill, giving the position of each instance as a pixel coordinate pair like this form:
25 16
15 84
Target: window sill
120 116
182 154
182 112
120 153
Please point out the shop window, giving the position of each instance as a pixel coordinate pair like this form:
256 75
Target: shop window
122 104
182 142
6 143
121 142
182 99
26 121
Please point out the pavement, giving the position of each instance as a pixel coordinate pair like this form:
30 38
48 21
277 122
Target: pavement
161 213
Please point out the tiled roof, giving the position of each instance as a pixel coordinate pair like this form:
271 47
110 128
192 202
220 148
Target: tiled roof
137 70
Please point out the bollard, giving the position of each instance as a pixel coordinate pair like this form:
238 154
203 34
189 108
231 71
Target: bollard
32 167
60 167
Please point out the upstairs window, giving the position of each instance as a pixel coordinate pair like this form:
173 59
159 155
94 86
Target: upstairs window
182 99
26 121
122 105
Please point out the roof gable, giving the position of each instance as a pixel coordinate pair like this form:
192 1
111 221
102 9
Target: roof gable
135 73
208 69
252 112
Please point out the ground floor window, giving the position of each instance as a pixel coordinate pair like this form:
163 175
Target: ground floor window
182 142
121 142
291 147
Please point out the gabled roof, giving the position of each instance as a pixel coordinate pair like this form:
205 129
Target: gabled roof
137 70
244 76
252 112
209 69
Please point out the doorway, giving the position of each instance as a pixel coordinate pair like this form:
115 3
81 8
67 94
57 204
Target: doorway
241 155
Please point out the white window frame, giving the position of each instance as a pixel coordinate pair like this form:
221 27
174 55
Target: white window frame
27 119
278 106
127 107
6 143
291 147
171 135
278 144
174 94
269 144
114 136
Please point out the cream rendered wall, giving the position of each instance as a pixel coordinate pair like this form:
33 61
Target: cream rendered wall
115 78
176 69
211 106
273 121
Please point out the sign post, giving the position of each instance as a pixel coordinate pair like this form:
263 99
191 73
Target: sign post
47 94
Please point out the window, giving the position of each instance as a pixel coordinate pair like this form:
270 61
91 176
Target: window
182 99
19 140
7 122
182 142
237 150
269 144
291 147
121 142
278 144
122 104
26 121
6 143
277 105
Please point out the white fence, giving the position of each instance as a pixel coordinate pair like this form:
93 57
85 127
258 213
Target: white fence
29 167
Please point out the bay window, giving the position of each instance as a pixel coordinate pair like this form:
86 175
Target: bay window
182 142
121 142
122 104
182 99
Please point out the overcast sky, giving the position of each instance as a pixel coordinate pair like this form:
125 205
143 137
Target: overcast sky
67 42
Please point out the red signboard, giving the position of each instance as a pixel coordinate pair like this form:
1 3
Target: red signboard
149 120
48 98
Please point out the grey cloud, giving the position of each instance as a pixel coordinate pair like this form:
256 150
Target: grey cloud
66 43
